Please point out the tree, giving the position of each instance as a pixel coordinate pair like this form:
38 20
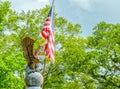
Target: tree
104 50
4 8
10 65
16 27
80 63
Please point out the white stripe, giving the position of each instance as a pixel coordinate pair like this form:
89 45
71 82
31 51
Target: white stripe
47 22
46 27
51 45
51 54
52 57
51 39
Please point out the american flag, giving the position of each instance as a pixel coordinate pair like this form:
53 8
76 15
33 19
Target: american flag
48 34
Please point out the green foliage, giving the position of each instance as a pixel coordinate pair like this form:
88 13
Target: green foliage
105 45
80 63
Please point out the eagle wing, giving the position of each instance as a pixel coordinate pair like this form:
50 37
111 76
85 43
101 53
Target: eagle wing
27 44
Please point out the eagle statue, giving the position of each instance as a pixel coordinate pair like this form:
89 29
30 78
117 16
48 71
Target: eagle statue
28 52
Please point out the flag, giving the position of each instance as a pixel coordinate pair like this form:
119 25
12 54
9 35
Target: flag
48 34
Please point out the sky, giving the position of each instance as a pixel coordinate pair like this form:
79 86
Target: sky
87 13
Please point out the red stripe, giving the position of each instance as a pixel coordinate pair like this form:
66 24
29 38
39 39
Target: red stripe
48 34
48 19
47 24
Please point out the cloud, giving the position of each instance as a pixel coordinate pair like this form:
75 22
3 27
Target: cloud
44 1
26 5
83 4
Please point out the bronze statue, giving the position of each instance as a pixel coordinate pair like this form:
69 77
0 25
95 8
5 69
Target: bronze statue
33 77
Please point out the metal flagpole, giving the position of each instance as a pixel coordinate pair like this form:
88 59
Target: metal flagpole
44 72
44 69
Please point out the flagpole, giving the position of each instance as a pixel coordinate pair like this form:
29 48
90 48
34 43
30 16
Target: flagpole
44 72
44 69
53 3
